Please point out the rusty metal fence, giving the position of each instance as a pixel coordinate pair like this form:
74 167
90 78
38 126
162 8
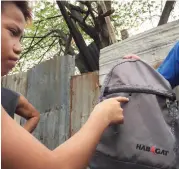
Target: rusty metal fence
47 86
84 96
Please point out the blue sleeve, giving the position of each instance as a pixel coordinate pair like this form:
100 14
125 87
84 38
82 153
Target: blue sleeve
170 67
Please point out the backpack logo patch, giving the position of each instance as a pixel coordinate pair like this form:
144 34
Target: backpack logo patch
152 149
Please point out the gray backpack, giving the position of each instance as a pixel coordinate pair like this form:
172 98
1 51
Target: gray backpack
149 137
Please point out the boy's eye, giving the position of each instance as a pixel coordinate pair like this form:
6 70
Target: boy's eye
13 32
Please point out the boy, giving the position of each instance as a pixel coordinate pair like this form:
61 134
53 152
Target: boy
12 28
19 148
170 67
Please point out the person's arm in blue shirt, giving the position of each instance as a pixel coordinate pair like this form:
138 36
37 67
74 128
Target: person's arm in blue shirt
170 67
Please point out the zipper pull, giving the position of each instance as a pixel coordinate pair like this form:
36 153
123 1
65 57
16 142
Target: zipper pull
168 103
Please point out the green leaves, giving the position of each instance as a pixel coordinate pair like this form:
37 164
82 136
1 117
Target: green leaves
48 33
40 42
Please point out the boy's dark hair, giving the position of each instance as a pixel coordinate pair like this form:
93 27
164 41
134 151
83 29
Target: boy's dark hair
23 6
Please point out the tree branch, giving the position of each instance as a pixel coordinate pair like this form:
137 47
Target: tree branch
67 46
50 47
33 37
38 37
87 14
31 47
86 28
53 17
30 43
44 45
169 6
83 2
76 8
88 4
107 13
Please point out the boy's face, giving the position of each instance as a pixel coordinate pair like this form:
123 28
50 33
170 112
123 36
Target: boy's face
12 27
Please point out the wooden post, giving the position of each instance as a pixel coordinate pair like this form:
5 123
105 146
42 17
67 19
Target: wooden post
108 23
169 5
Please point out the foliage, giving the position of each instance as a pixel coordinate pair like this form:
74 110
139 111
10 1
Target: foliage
44 37
49 34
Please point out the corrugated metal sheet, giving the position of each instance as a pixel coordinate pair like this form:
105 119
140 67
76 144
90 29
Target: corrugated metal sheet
84 96
151 46
47 87
49 91
18 83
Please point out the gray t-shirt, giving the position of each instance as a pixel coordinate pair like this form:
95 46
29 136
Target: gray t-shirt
9 100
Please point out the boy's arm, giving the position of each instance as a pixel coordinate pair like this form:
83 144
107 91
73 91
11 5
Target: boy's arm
170 67
27 111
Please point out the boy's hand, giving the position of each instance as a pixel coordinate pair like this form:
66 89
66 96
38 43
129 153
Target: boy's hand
110 110
131 56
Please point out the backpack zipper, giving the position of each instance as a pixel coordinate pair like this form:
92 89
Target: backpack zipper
123 89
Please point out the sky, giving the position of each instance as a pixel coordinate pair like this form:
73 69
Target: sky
148 25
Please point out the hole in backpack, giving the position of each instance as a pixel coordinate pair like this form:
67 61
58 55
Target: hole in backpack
130 94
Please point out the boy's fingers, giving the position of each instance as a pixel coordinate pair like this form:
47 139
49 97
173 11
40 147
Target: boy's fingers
131 56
